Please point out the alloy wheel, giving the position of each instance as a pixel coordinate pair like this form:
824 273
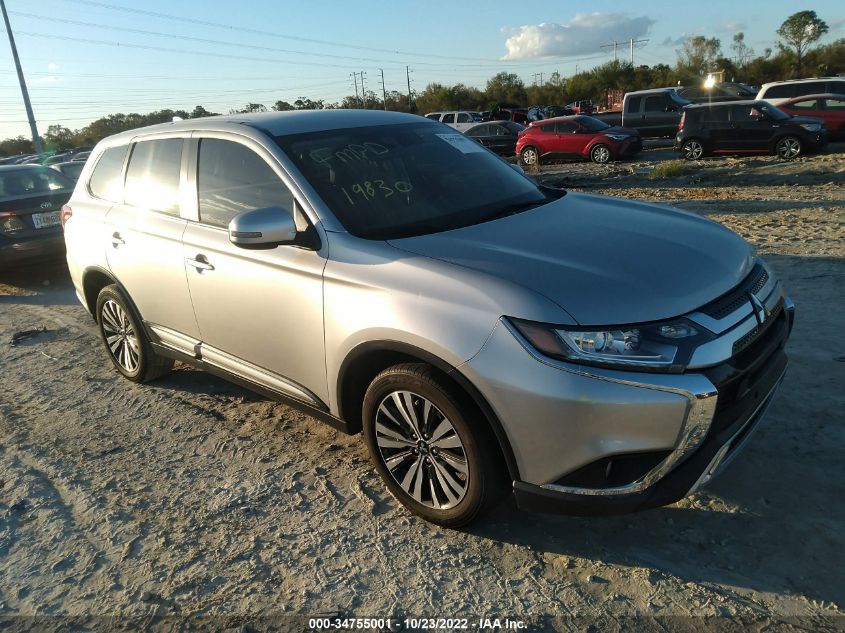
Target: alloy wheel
120 336
789 147
693 150
529 156
422 450
601 154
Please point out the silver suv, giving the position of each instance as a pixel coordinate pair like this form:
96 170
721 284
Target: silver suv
389 275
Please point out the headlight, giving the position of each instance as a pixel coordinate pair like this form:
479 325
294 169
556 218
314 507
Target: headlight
652 347
617 137
811 127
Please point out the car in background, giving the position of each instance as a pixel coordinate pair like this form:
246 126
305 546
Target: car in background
724 91
81 156
57 158
746 127
777 92
31 199
829 107
576 136
72 169
654 113
583 106
458 119
509 112
538 113
498 136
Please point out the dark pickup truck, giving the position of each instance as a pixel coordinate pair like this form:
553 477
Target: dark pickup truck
653 113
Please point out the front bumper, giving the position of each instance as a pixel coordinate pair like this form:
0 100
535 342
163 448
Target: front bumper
593 441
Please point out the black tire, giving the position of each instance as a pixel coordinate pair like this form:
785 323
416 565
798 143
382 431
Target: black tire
600 154
789 147
125 340
692 149
486 473
529 156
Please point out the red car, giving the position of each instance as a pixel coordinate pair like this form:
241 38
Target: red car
581 136
828 107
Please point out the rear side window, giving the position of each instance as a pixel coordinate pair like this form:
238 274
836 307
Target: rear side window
565 128
655 104
107 179
837 87
463 117
716 114
433 117
231 179
448 118
634 104
810 105
479 130
783 91
152 178
834 104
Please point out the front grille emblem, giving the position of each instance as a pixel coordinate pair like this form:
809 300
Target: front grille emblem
761 312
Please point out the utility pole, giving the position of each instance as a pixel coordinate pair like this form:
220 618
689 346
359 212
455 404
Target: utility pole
363 91
615 46
36 140
633 41
540 75
383 92
408 77
355 79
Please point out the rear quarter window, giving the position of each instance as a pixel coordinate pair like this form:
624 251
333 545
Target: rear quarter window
783 91
106 180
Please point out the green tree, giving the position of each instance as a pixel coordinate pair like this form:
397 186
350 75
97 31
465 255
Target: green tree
200 112
697 57
59 137
282 106
248 108
743 52
506 88
15 146
798 32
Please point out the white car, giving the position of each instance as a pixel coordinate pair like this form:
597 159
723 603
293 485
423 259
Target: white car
777 92
461 120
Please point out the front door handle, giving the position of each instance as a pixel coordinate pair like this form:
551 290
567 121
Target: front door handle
116 240
200 263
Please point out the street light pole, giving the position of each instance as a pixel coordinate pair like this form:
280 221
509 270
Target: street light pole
36 140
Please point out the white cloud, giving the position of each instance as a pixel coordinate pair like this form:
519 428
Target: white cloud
51 66
732 27
585 33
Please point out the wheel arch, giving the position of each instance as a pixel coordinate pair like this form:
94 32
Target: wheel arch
94 279
367 360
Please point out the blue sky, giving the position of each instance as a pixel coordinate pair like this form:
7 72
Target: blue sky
76 72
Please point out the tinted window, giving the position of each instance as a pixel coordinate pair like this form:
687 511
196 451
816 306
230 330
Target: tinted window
152 178
592 124
744 113
107 180
463 117
835 86
390 181
633 104
499 130
18 183
479 130
565 128
655 104
514 127
715 114
433 117
811 88
546 129
448 118
812 104
783 91
834 104
232 179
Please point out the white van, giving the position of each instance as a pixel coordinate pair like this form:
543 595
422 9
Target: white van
779 91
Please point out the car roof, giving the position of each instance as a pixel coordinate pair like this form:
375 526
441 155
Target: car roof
279 123
799 81
31 166
726 104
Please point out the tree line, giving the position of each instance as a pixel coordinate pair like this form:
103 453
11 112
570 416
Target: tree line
796 55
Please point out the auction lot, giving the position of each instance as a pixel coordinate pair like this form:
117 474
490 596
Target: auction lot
193 496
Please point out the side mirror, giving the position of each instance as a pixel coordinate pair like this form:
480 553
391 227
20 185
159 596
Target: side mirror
262 228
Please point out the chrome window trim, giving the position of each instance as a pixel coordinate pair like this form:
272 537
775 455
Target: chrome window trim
700 411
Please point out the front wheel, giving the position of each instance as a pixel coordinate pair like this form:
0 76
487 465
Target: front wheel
529 156
436 457
600 154
126 342
692 149
788 147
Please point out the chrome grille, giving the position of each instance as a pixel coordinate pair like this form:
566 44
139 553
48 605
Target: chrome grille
733 300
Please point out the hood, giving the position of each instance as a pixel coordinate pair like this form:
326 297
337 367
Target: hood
618 129
798 120
603 260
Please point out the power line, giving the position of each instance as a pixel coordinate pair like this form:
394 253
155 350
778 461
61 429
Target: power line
633 41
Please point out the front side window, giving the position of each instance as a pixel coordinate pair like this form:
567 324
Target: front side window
392 181
448 118
812 104
107 179
479 130
655 104
834 104
231 179
633 104
593 124
565 128
152 178
463 117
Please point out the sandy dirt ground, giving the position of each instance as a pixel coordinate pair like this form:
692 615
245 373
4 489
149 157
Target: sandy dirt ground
191 496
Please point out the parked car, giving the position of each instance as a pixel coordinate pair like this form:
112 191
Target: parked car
71 169
747 127
57 158
538 113
777 92
388 277
576 136
461 120
830 108
653 113
81 156
509 112
725 91
499 136
31 198
583 106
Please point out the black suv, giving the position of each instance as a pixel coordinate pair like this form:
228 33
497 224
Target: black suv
746 126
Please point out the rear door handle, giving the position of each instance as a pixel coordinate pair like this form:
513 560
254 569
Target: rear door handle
116 240
199 262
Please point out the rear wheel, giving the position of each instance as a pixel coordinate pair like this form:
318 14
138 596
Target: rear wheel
529 156
692 149
788 147
600 154
126 342
431 451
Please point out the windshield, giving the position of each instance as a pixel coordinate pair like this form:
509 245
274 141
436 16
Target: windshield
19 183
678 99
772 112
391 181
593 125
